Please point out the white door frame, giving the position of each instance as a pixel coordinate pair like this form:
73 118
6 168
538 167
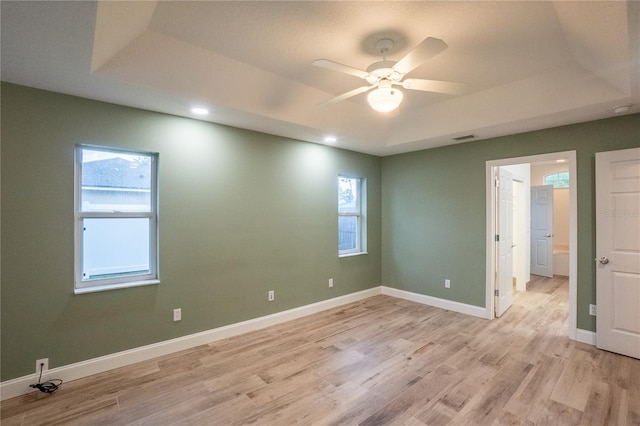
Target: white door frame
570 157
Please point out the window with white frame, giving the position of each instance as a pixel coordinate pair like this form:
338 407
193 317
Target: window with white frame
351 228
558 180
116 218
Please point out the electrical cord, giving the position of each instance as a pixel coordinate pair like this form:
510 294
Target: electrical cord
49 386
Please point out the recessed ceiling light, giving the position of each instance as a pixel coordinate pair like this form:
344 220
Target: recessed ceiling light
622 109
461 138
200 111
330 139
561 161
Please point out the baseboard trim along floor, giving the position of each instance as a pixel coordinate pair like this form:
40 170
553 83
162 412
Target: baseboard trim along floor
20 385
449 305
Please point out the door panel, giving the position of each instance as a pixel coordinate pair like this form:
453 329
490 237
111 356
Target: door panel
618 251
626 287
542 230
504 281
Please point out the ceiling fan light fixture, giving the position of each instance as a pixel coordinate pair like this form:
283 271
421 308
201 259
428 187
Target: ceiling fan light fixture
385 99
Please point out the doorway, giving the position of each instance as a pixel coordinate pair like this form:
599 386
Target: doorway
491 245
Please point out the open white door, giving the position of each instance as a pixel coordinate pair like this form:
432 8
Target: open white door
521 232
542 230
504 246
618 251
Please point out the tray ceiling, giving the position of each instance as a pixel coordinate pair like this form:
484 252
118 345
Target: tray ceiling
527 65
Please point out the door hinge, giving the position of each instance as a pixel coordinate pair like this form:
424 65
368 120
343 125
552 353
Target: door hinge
497 183
496 292
497 237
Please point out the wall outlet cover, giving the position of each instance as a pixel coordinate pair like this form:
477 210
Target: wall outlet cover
45 367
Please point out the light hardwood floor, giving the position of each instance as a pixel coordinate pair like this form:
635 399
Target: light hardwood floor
379 361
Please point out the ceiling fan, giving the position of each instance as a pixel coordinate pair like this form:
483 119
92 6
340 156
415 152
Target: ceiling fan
384 75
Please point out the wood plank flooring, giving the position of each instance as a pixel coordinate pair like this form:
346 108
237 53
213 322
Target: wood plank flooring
379 361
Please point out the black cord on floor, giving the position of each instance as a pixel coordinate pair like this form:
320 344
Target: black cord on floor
47 387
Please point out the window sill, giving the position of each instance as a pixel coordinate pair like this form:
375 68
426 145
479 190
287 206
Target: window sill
96 288
360 253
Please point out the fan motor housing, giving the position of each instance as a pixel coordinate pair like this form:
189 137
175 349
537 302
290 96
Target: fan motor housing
384 69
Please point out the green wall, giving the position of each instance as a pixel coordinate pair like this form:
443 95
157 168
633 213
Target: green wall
240 213
434 209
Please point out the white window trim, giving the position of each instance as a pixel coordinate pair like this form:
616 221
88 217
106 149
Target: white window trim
360 248
89 286
360 253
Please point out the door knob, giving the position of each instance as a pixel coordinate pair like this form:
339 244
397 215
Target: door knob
549 235
604 260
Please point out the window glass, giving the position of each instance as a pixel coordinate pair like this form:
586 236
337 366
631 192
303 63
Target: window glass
113 247
114 181
350 218
558 180
347 233
348 197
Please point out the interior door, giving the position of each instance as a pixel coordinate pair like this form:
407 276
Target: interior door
504 246
542 230
618 251
521 229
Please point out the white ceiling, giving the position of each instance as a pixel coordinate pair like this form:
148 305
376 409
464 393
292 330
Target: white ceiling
527 65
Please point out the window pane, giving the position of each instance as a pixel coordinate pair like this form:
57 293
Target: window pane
558 180
348 195
115 247
115 181
347 233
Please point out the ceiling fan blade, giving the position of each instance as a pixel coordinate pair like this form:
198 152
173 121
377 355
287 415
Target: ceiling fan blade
427 49
447 87
325 63
346 95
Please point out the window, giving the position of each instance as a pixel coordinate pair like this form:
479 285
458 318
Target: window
116 225
351 229
558 180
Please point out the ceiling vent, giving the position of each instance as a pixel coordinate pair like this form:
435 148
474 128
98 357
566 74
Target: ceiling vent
464 138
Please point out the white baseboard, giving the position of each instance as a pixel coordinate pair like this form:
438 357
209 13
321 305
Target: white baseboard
586 336
20 385
449 305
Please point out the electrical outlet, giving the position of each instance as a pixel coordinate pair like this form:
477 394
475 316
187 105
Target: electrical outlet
272 295
177 314
447 283
592 310
330 282
42 364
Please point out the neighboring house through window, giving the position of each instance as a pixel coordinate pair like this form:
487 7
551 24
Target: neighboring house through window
351 228
116 219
